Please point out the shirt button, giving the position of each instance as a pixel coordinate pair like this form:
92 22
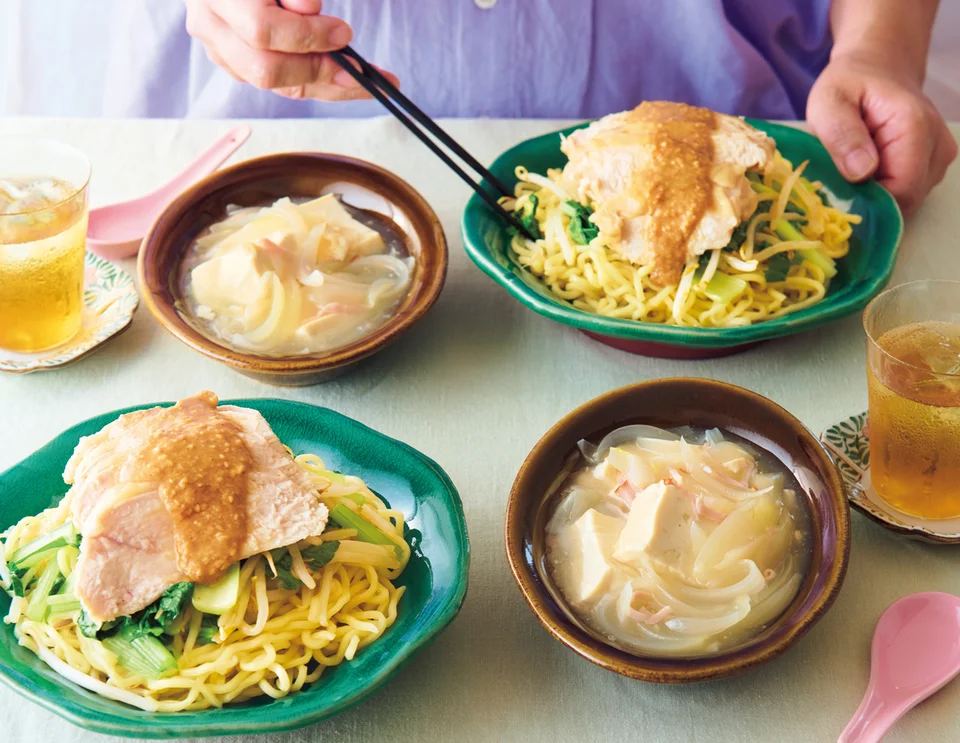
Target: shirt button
484 4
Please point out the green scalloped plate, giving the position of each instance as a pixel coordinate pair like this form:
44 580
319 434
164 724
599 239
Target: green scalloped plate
861 275
436 578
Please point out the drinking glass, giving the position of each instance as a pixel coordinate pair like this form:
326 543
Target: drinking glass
913 376
43 230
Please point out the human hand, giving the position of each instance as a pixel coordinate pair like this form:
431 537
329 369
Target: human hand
875 120
274 47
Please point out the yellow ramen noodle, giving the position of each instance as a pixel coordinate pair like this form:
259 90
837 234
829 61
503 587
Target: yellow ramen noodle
596 279
272 642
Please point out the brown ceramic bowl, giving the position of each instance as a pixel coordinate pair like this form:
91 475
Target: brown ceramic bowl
394 204
671 403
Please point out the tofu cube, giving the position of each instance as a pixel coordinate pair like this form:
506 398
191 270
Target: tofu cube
658 529
592 539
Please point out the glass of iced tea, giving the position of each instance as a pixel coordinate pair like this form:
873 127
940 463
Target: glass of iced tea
913 373
43 231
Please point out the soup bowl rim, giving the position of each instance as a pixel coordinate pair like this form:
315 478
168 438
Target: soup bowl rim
152 277
525 498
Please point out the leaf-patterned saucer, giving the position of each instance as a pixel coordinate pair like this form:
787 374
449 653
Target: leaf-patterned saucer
848 445
109 301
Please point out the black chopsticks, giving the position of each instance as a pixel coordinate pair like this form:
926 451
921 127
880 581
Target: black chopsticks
383 90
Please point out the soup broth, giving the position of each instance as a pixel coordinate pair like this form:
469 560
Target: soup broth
294 278
677 543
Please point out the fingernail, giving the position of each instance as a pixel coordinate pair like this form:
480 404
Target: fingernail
344 79
341 35
859 163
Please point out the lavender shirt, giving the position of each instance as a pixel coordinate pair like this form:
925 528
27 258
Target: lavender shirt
519 58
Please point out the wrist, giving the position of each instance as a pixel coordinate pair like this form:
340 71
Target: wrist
879 58
889 35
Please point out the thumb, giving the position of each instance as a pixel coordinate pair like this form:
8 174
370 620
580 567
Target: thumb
303 7
835 117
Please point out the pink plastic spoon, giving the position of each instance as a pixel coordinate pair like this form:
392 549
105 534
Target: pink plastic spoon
915 652
115 231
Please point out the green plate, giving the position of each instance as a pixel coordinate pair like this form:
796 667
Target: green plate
861 275
436 578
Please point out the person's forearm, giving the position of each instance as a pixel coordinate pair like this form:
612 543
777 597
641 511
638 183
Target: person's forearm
897 31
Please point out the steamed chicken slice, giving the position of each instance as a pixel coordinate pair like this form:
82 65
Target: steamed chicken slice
128 554
666 181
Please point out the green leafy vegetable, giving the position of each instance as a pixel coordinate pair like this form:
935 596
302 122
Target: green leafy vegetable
580 228
817 258
63 603
526 215
134 640
16 584
70 584
787 231
792 208
172 603
209 630
36 550
318 556
313 557
37 605
738 237
160 614
283 562
778 266
366 532
153 620
723 288
88 628
142 654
